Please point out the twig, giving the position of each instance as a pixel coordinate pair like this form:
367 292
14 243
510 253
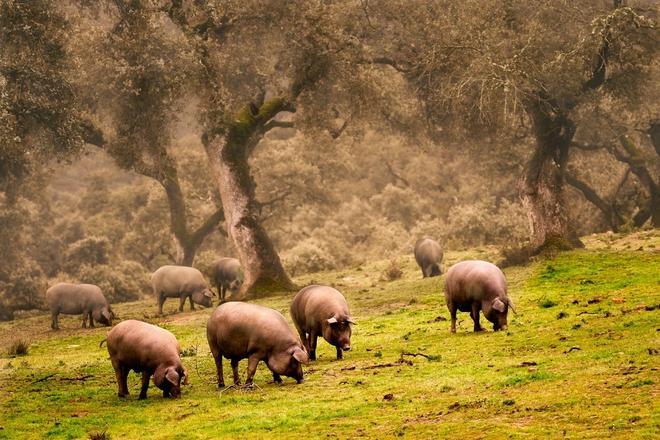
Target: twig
405 353
87 376
44 378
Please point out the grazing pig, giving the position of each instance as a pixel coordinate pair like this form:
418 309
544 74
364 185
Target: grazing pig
147 349
322 311
181 282
239 330
428 255
472 286
74 299
227 275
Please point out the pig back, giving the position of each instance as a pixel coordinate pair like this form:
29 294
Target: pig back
238 329
226 269
142 345
174 280
74 299
474 280
313 304
427 251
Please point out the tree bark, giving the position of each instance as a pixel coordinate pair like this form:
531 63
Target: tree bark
541 188
228 153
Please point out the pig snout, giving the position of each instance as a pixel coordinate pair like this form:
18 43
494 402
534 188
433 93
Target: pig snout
346 347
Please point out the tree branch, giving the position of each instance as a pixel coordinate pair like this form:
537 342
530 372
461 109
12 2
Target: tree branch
198 236
590 194
277 124
394 173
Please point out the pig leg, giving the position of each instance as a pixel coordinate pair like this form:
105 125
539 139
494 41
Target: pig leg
252 368
234 368
161 301
277 378
91 320
84 319
53 321
145 385
475 317
122 374
340 353
312 345
192 305
218 367
452 312
182 301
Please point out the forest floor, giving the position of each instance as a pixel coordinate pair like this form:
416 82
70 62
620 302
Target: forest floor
581 359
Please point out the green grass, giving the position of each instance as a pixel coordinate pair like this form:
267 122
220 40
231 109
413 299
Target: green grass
591 374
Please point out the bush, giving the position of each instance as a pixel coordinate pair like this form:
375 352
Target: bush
90 251
307 256
393 270
19 347
127 281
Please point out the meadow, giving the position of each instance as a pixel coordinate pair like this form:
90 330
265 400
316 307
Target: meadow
580 360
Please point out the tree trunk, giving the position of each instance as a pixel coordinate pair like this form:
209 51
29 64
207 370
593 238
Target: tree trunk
228 154
541 188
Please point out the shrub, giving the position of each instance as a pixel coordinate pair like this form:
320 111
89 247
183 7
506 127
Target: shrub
393 270
127 281
306 257
18 347
90 251
102 435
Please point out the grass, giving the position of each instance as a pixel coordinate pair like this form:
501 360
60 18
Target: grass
591 374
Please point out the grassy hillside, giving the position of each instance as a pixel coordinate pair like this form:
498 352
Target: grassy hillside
580 360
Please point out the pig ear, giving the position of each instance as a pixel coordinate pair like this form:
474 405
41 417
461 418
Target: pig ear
185 377
172 376
208 293
106 314
351 321
499 305
510 303
301 356
332 320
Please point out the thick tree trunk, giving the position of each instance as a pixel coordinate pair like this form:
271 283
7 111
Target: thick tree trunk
228 154
542 186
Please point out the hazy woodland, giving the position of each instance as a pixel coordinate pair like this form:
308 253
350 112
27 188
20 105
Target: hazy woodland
316 141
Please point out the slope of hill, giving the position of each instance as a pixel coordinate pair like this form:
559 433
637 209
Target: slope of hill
580 359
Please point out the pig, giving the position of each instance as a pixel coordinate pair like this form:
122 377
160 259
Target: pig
473 286
73 299
428 255
181 282
238 330
322 311
147 349
227 275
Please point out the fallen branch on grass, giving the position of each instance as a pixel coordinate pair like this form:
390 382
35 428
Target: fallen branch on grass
43 379
85 377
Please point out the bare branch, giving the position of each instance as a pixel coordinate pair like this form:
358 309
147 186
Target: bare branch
273 123
394 173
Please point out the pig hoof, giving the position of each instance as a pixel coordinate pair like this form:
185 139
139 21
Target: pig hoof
122 395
